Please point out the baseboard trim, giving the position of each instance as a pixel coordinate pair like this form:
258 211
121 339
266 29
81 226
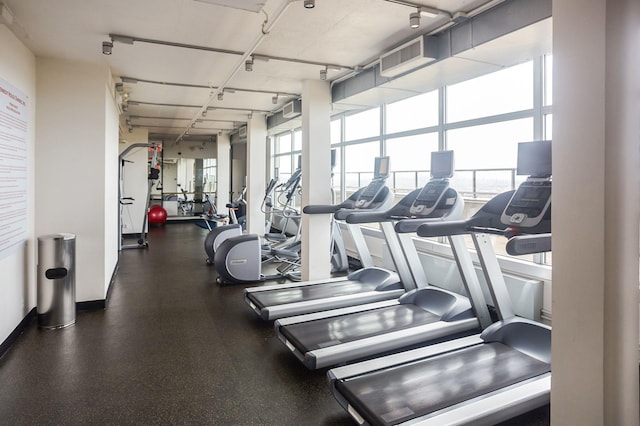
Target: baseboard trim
91 305
10 340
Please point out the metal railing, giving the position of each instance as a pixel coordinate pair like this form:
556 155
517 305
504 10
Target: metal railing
471 183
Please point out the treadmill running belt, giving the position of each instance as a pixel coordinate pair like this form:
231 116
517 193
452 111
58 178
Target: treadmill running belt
311 335
404 392
309 292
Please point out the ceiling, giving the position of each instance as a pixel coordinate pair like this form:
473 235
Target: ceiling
341 37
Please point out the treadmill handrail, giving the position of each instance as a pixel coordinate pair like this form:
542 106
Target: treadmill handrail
443 229
528 244
406 226
320 208
368 217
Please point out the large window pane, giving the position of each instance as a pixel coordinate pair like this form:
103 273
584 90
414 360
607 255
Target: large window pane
335 178
297 140
413 113
491 146
283 143
358 163
548 80
500 92
362 125
283 164
336 131
410 155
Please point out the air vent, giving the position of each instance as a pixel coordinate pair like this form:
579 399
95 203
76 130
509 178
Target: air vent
408 56
242 132
292 109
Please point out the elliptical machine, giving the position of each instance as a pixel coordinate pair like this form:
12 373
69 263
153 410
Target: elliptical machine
221 233
238 259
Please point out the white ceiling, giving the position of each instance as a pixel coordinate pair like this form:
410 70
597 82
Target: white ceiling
349 33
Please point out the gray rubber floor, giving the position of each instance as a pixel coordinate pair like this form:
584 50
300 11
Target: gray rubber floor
172 347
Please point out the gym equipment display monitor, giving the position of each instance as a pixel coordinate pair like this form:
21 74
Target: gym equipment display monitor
381 168
380 174
534 159
442 164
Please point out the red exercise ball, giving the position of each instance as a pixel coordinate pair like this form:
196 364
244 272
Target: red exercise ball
157 215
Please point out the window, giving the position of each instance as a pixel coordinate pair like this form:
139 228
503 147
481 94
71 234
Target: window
501 92
209 174
413 113
358 165
485 156
548 80
297 140
410 160
362 125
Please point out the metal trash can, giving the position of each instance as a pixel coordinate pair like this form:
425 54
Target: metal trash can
56 280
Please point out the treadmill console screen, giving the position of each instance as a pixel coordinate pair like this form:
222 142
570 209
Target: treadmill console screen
381 168
442 164
529 204
370 193
534 159
429 197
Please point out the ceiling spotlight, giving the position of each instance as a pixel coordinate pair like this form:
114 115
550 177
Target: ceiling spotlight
414 20
309 4
119 87
125 107
204 113
130 129
248 65
323 73
274 100
107 47
220 96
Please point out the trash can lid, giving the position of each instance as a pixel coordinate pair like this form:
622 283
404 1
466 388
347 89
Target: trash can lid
61 236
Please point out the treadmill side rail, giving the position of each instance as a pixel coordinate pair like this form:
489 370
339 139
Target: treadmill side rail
356 369
495 407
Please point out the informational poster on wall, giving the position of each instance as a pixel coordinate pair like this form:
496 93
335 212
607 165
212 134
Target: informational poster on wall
13 168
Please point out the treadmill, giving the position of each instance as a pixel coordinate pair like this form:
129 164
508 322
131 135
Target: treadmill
479 380
419 316
366 285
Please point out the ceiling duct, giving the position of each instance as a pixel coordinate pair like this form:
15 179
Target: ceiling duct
408 56
292 109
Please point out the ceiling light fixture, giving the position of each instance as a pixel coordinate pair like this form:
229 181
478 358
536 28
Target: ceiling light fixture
220 96
248 65
414 20
309 4
274 100
323 73
107 48
204 113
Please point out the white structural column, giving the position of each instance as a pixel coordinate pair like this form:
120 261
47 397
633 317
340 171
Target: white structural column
316 178
256 172
223 176
596 167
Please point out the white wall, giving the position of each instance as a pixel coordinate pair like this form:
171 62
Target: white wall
72 173
111 210
17 271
